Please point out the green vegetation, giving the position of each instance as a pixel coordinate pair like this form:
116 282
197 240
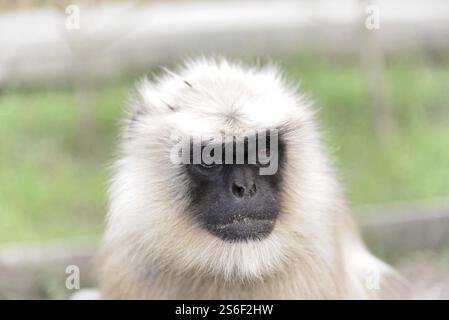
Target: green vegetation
413 163
53 168
52 183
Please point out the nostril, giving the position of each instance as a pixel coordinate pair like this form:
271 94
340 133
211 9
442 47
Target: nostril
253 190
238 191
242 191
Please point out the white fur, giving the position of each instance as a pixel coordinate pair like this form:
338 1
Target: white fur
151 242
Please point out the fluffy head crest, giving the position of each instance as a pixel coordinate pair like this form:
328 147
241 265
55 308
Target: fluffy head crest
206 97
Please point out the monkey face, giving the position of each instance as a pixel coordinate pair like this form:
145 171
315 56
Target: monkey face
234 202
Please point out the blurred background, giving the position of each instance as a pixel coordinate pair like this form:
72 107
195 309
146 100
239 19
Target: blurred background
378 70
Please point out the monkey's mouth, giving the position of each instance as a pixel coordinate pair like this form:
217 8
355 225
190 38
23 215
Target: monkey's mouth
243 229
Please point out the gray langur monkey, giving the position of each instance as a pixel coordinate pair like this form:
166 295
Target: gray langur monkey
224 231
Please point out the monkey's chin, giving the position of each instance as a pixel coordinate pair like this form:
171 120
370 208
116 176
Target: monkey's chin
243 230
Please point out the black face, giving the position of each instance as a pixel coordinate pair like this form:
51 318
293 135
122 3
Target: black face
233 201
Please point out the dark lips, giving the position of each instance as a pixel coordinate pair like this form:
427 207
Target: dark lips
243 229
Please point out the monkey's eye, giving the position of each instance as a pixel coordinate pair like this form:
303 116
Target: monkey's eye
206 169
208 166
264 157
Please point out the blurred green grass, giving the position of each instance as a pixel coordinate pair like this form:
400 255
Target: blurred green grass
53 179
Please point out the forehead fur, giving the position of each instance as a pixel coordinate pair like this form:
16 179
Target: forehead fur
209 97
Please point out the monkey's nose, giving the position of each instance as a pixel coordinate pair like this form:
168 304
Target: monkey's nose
241 190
